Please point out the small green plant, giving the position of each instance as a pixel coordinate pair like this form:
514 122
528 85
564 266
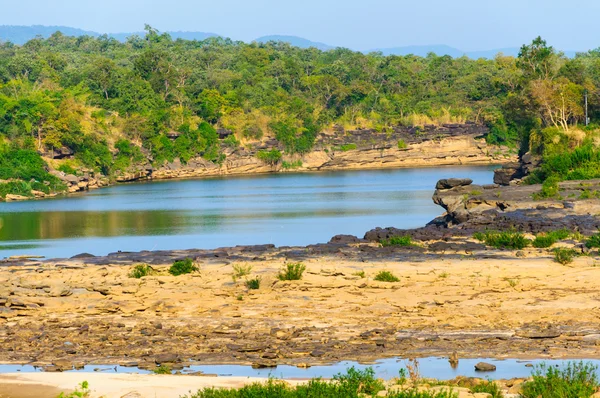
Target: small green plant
443 275
231 141
163 370
475 192
549 189
271 157
489 387
241 270
140 270
503 240
291 165
404 240
182 267
593 241
81 391
401 144
575 379
564 256
292 272
543 241
347 147
560 234
512 282
386 276
240 297
254 283
360 274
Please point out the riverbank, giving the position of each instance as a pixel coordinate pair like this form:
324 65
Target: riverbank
432 146
455 297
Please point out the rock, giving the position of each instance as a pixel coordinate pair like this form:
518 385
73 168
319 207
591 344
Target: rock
63 364
82 255
264 364
485 367
11 197
345 239
166 358
449 183
132 394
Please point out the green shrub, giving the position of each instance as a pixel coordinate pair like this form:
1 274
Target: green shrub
386 276
593 241
401 144
231 141
353 384
549 189
254 283
271 157
15 188
163 370
291 165
503 240
182 267
141 270
564 256
560 234
347 147
576 379
82 391
543 241
404 240
292 272
489 387
241 270
67 169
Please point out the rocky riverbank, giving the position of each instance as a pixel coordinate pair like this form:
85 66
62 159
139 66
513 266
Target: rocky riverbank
429 146
454 295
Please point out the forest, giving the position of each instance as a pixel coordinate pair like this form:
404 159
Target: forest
111 105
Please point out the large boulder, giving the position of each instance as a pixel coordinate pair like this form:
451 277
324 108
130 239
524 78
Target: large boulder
449 183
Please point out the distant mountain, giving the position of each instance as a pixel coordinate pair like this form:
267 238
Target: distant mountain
422 51
295 41
22 34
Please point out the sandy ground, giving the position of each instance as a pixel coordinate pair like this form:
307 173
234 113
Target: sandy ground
49 385
477 304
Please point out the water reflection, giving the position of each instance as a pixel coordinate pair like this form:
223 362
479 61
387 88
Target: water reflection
284 209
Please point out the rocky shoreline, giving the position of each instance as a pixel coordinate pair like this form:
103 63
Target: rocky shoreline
431 146
455 296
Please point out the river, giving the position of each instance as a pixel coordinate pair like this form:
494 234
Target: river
283 209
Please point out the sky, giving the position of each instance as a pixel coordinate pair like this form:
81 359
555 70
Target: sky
358 24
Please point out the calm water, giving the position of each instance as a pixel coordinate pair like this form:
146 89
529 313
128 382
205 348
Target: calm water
432 367
283 209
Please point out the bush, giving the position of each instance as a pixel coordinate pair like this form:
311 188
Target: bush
489 387
564 256
82 391
386 276
401 144
593 241
163 370
141 270
576 379
254 283
503 240
347 147
549 189
404 240
182 267
543 241
271 157
241 270
15 188
291 165
353 384
292 272
560 234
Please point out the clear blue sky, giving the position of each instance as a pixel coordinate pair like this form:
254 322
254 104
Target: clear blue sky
358 24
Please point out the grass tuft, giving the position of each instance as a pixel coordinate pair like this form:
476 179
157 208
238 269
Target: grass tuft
575 379
292 272
386 276
404 240
140 270
503 240
564 256
254 283
182 267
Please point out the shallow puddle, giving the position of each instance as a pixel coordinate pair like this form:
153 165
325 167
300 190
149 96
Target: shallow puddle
437 368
